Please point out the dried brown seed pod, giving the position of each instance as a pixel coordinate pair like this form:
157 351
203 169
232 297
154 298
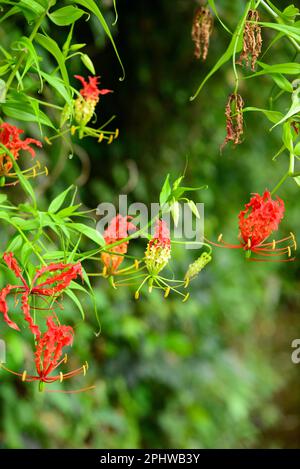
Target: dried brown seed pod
201 31
234 119
252 40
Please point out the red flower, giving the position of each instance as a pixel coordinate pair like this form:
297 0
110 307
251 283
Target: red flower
161 236
90 90
262 216
49 348
10 138
158 250
116 231
53 285
48 353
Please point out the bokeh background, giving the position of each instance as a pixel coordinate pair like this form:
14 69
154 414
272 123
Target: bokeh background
216 371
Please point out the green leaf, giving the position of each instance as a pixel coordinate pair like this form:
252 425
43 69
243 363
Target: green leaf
273 116
89 232
59 223
59 200
23 181
31 9
165 191
68 211
13 11
175 211
297 149
3 70
25 253
15 244
93 8
289 68
57 85
194 208
290 12
214 9
66 15
290 31
287 136
282 82
20 111
297 180
25 44
88 63
294 109
26 225
3 198
75 300
52 47
75 47
2 91
177 182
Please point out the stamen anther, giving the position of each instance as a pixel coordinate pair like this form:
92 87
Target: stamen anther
136 295
186 298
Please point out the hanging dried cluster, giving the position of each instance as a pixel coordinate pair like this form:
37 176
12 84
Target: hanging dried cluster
201 31
234 119
252 40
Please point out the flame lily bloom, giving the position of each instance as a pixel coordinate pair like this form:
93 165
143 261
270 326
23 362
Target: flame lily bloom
62 276
158 250
261 216
48 353
157 256
116 231
10 138
84 105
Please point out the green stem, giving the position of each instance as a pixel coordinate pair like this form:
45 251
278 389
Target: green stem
23 54
27 241
292 164
239 32
289 173
284 177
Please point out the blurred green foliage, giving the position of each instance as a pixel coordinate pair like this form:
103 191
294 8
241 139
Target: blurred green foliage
204 373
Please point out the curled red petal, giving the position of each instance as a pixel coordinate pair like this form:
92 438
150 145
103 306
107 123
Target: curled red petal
105 91
13 265
26 310
57 283
118 229
4 307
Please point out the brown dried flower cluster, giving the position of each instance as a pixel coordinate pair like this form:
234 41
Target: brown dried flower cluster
234 119
201 31
252 40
